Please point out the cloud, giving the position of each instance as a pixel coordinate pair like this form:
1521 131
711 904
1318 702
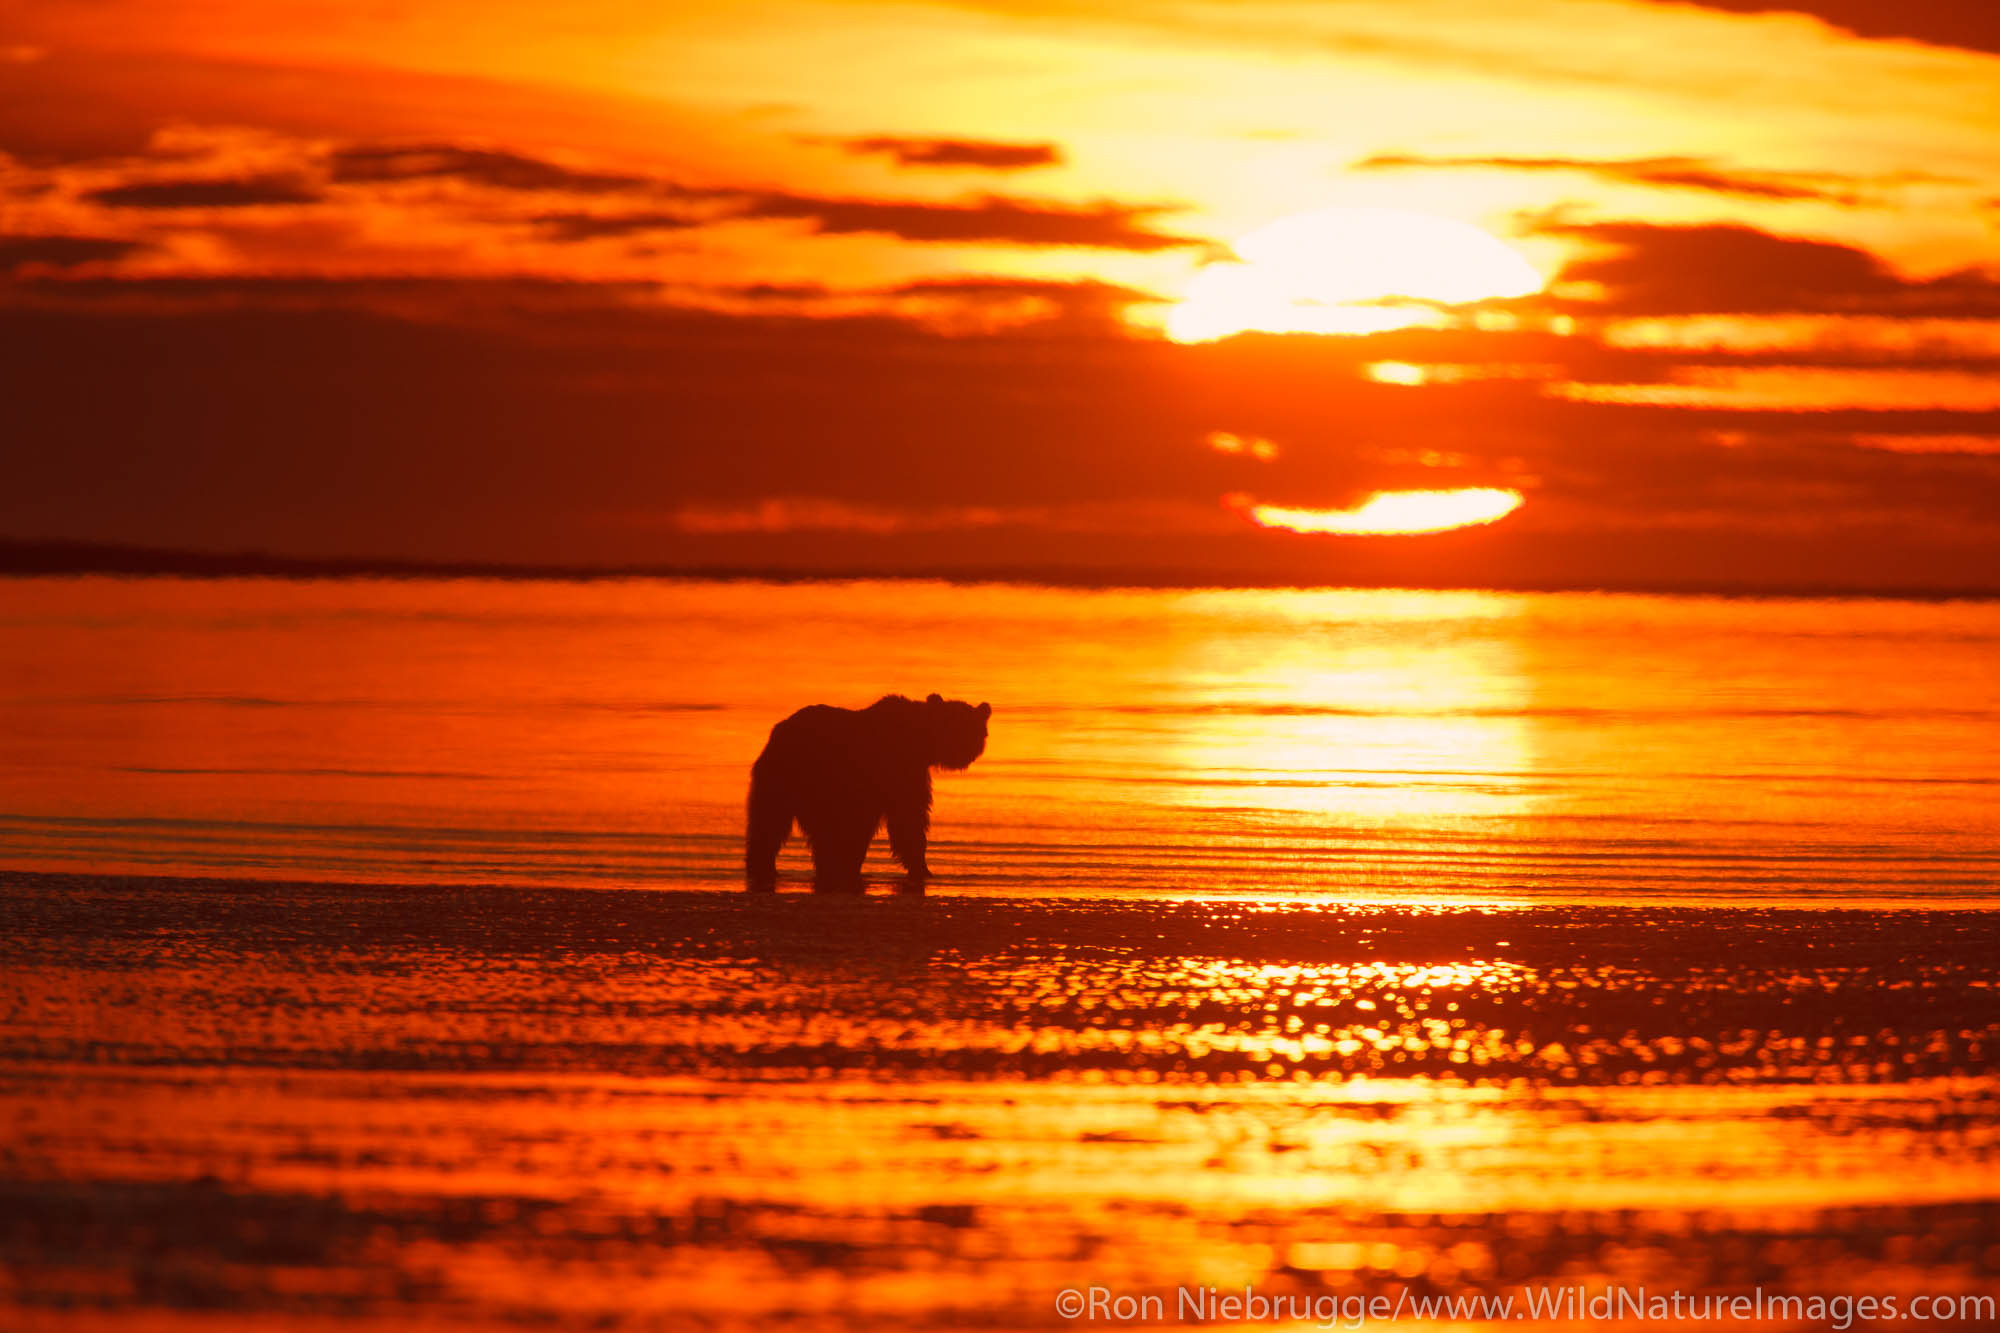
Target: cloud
809 514
978 303
216 192
958 152
561 422
1804 473
376 163
595 226
958 305
1681 173
1975 27
1084 296
517 214
22 253
1645 268
991 218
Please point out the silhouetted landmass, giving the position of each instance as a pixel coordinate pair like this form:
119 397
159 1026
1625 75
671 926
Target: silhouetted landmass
31 558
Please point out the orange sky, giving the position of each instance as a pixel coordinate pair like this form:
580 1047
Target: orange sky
885 285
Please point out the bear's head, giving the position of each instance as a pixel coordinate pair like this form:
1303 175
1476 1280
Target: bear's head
957 731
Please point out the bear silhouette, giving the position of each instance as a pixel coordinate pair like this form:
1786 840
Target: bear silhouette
841 772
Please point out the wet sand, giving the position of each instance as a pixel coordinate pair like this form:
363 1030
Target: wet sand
255 1105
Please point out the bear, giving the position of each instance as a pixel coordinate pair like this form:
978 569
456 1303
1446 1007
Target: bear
840 772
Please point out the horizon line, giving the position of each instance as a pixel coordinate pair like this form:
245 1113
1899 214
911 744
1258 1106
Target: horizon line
26 558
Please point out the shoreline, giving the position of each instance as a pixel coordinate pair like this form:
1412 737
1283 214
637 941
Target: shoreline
34 559
883 886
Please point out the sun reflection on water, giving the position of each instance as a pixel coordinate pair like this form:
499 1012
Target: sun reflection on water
1356 724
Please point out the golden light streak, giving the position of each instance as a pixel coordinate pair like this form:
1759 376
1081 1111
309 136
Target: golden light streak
1256 446
1886 338
1410 375
1396 372
1349 270
1390 513
1800 389
1931 444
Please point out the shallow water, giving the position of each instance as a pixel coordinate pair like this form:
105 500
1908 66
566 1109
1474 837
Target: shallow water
1341 946
1401 746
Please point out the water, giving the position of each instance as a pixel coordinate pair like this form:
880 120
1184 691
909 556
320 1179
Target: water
1400 746
374 958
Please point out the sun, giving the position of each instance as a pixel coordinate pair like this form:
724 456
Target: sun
1348 270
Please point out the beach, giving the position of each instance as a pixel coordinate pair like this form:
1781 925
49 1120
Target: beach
265 1105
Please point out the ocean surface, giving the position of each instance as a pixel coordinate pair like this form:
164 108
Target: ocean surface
375 957
1373 746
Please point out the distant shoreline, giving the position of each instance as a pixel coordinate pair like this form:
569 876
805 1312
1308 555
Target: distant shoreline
1418 914
29 559
1866 912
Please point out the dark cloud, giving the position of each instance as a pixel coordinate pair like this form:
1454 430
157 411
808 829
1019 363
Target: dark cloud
545 427
780 291
1968 292
958 153
594 226
1799 471
424 436
1654 269
991 218
997 288
216 192
1080 300
375 163
19 253
1724 268
1681 173
1974 26
523 309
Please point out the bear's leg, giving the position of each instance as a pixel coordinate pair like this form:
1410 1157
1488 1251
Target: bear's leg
909 834
770 824
839 847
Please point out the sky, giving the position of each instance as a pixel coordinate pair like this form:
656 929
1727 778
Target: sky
1628 293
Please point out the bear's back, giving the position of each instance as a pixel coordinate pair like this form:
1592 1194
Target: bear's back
886 733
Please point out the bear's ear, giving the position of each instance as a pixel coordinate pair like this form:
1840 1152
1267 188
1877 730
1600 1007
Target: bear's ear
985 711
935 699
